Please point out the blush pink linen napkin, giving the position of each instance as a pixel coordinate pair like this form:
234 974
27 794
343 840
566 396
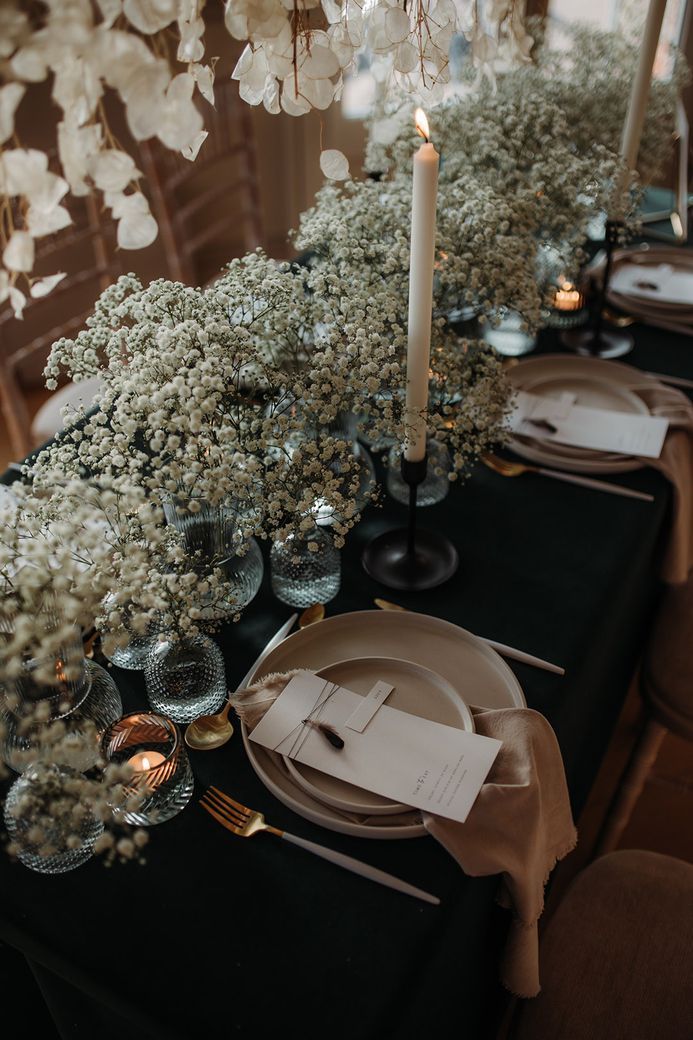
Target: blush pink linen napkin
519 826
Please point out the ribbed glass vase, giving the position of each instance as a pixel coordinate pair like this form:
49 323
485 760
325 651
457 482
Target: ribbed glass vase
211 535
67 687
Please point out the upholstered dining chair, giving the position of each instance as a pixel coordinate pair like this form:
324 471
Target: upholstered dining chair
208 210
615 957
666 687
85 249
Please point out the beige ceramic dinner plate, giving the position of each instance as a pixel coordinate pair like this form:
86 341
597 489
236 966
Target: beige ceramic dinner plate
478 674
413 685
597 383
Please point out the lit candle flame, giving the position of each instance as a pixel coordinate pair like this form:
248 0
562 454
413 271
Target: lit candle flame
422 125
567 297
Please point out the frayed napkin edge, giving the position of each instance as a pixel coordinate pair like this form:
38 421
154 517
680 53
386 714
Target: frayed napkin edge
561 852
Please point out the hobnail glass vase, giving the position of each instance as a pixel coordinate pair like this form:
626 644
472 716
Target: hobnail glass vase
44 837
211 536
81 694
305 571
185 678
433 488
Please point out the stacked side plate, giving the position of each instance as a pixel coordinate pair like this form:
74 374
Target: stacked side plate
655 285
595 383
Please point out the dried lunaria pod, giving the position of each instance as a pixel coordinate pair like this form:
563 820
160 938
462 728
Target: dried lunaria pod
334 164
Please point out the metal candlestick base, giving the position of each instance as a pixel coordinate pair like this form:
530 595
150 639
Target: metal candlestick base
610 344
406 558
388 560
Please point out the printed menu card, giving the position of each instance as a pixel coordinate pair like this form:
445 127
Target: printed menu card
599 429
424 764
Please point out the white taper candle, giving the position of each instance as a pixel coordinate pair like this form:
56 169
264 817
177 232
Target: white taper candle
423 237
640 90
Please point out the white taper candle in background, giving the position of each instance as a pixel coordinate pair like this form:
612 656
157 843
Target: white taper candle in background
640 90
423 237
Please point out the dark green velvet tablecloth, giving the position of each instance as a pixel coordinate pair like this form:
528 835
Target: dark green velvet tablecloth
217 936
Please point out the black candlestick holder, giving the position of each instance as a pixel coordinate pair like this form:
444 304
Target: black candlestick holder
410 558
596 339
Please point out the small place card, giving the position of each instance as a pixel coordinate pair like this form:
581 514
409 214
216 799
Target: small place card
411 760
595 428
359 719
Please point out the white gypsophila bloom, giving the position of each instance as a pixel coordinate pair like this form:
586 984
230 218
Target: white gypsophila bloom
359 268
545 137
79 554
217 396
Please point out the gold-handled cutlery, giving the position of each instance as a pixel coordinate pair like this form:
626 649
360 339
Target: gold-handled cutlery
245 822
506 468
501 648
311 615
210 731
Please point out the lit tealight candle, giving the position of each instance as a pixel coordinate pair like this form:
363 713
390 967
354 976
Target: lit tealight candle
143 761
567 298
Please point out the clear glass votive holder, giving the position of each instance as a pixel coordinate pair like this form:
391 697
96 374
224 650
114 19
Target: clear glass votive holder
162 779
506 333
433 488
568 308
186 678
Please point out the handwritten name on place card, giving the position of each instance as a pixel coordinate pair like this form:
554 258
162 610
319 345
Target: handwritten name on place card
411 760
595 428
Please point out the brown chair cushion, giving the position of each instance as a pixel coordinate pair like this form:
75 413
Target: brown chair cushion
616 957
667 667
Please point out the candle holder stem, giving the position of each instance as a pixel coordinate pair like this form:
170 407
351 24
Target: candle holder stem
595 340
410 558
411 530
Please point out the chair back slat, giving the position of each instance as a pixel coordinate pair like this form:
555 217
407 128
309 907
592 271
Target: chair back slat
184 193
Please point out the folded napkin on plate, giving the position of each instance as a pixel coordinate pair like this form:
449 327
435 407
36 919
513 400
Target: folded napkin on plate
676 463
519 826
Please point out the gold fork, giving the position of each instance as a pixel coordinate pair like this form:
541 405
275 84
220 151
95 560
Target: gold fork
239 819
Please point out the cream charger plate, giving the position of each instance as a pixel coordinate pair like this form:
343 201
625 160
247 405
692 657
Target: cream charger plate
413 685
478 674
597 383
